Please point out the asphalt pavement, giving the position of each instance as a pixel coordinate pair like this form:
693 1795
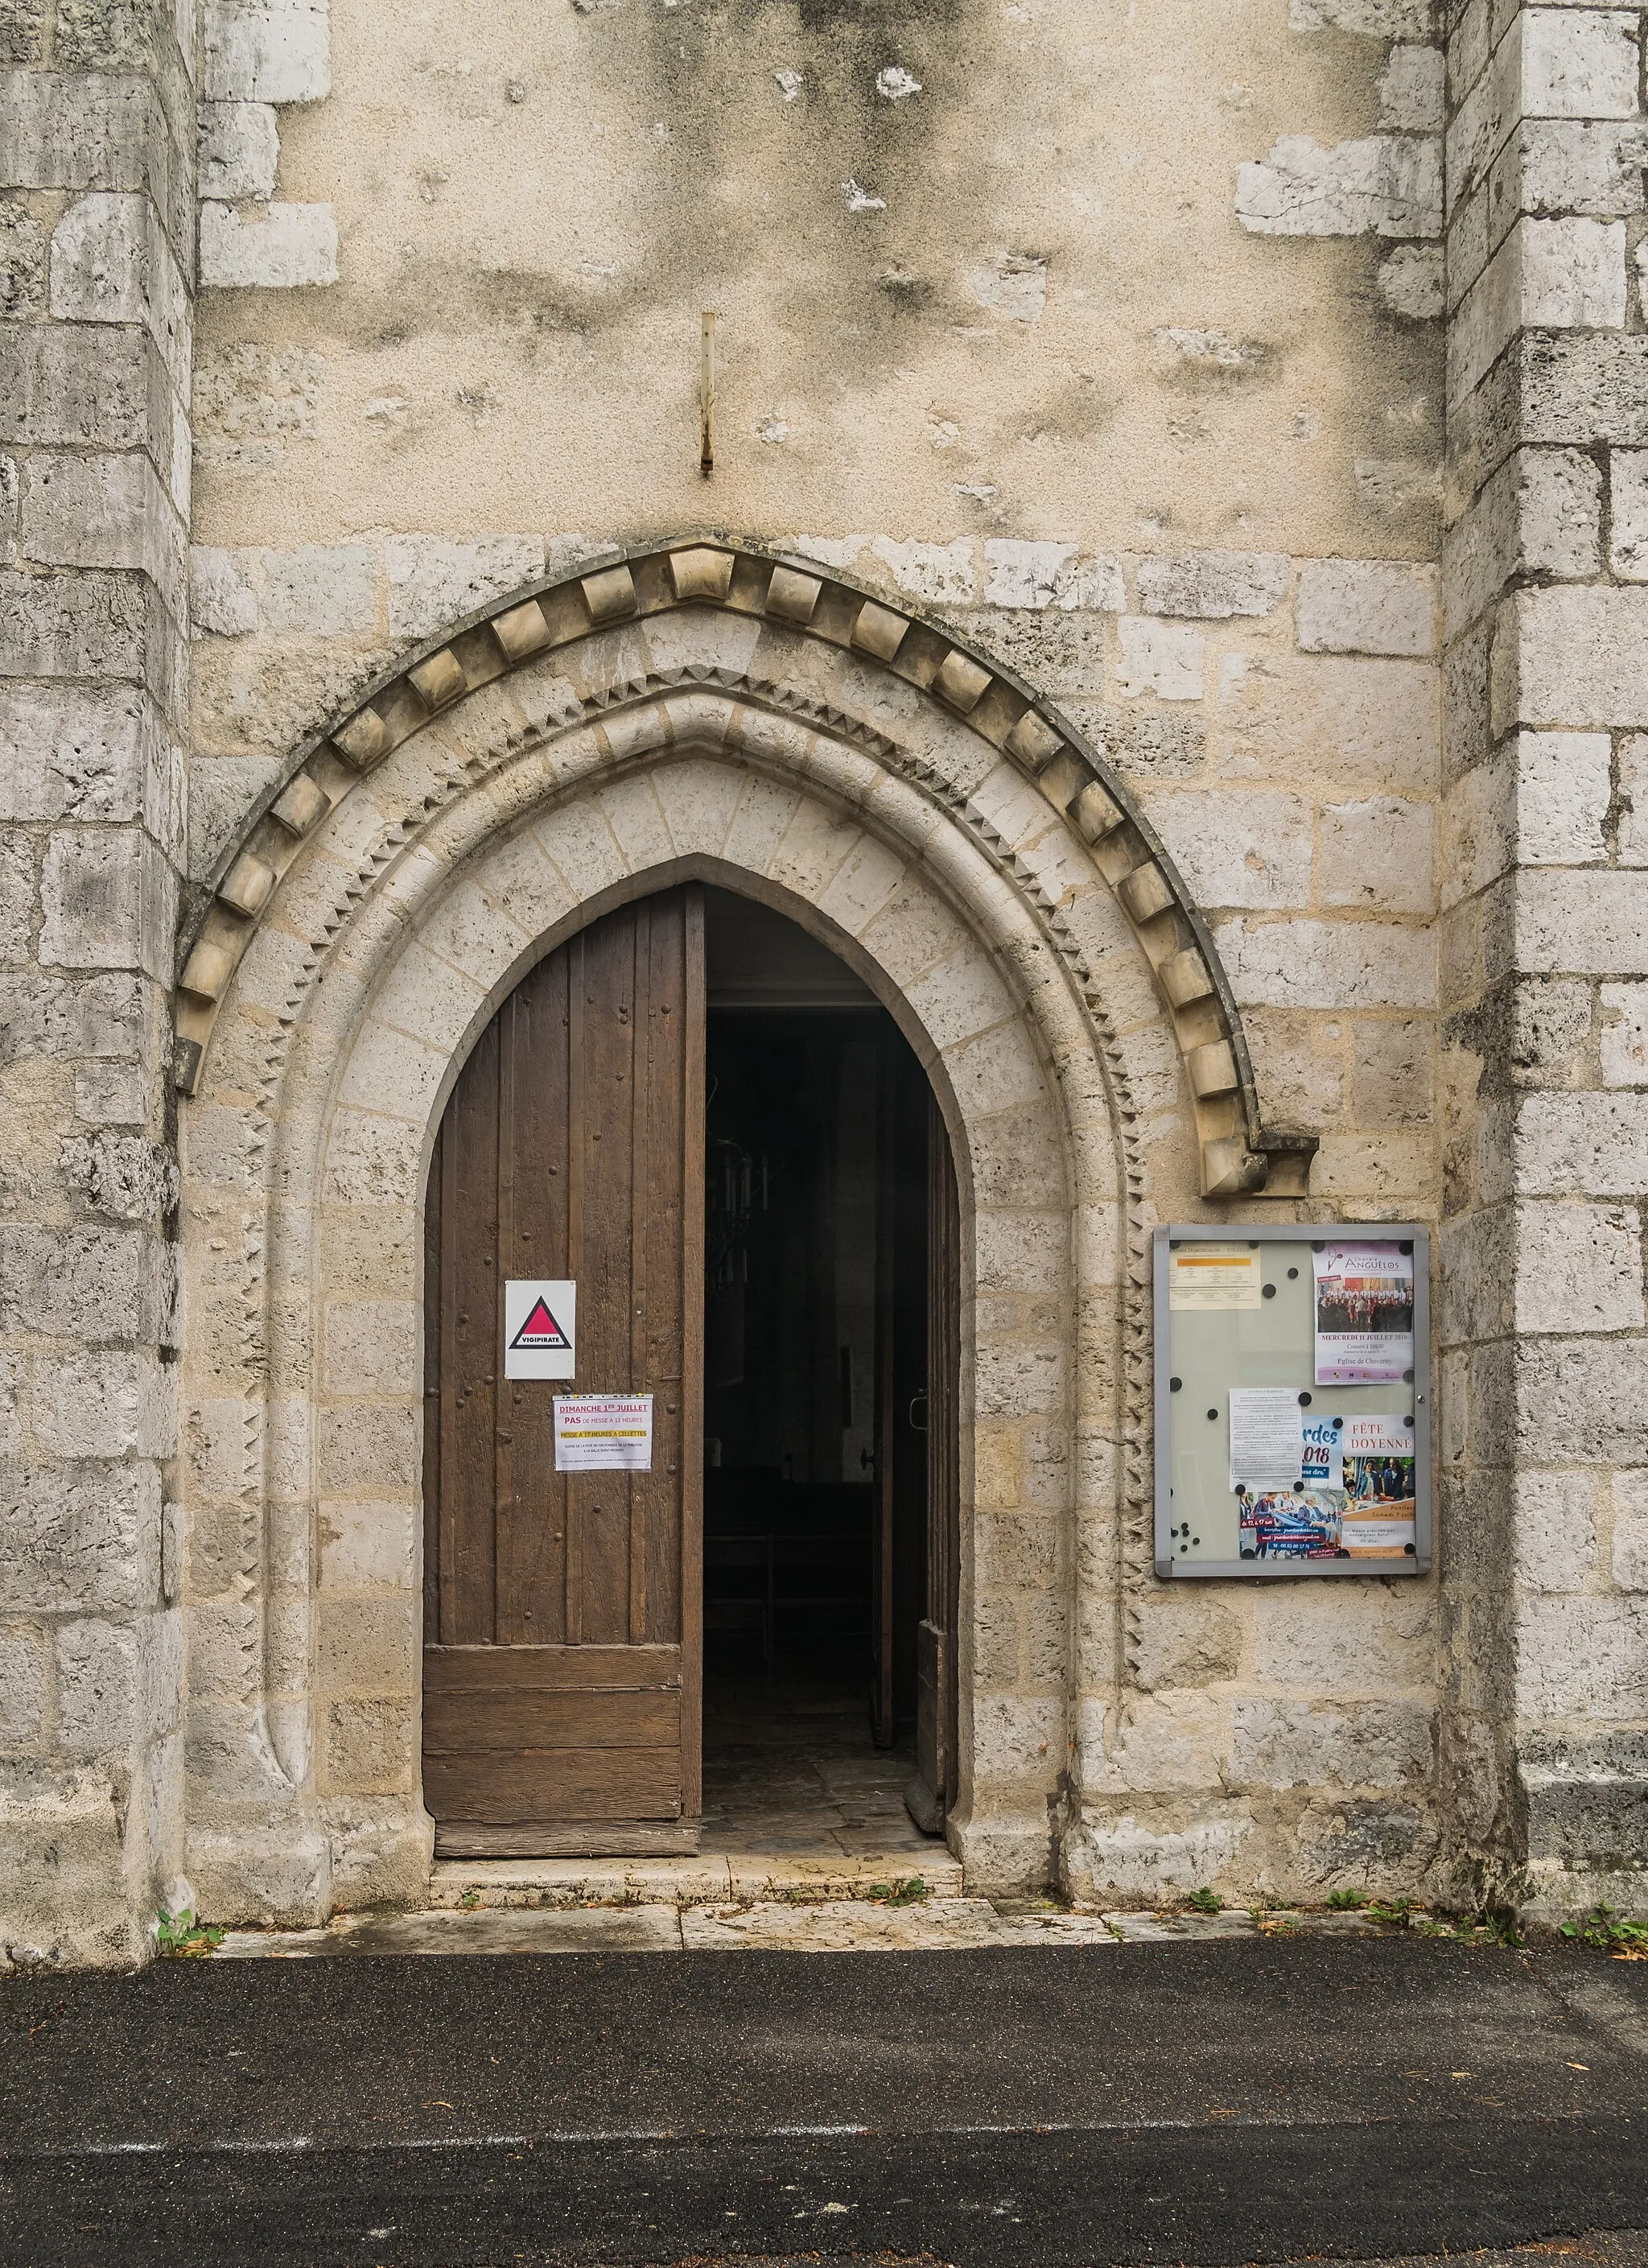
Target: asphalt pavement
1211 2102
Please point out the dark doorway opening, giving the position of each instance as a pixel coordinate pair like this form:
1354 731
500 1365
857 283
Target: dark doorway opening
822 1495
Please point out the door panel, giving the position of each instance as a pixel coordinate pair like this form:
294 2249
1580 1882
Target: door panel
933 1791
561 1664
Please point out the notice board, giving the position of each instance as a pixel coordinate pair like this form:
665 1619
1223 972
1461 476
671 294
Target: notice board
1292 1401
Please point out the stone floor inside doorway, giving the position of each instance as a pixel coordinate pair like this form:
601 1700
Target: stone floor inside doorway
790 1771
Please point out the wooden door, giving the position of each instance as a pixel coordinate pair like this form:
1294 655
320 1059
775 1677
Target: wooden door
882 1588
562 1662
933 1790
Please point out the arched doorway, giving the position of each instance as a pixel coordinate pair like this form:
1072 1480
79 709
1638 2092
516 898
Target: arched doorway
699 1137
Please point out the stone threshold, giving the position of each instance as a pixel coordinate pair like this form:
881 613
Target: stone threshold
709 1879
757 1924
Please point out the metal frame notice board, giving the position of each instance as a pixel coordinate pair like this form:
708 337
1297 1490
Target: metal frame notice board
1292 1401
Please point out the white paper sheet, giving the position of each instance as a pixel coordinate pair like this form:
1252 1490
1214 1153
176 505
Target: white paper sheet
603 1433
1267 1437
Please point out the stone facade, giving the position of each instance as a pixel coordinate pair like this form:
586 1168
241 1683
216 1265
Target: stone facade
1181 636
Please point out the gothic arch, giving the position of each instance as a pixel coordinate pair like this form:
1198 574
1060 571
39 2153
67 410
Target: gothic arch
857 637
414 862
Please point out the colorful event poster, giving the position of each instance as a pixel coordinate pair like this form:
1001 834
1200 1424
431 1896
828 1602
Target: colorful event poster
1364 1315
1379 1497
1291 1523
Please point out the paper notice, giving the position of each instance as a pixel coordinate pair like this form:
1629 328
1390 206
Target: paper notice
1364 1315
1267 1437
1213 1276
1324 1452
603 1433
1379 1497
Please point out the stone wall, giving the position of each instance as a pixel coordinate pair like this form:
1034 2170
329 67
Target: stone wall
97 225
1544 947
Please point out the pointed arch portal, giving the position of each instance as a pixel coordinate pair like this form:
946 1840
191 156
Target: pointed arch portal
704 712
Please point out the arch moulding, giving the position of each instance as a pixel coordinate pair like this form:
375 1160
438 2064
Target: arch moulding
914 651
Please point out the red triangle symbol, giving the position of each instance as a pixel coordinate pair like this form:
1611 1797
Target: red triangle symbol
540 1334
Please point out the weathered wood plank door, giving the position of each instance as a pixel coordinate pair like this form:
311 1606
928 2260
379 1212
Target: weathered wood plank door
933 1791
562 1651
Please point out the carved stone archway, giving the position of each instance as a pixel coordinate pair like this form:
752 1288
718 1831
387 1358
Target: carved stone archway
699 711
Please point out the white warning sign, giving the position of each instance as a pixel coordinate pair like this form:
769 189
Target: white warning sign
540 1329
603 1433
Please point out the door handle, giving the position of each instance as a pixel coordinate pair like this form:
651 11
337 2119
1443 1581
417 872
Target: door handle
866 1460
918 1425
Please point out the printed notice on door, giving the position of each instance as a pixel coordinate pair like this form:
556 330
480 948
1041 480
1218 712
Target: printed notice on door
1364 1315
1213 1276
603 1433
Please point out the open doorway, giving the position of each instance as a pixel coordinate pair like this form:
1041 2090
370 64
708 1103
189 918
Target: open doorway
700 1146
823 1499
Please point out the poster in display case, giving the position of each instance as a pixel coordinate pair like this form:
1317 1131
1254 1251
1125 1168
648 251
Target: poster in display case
1292 1401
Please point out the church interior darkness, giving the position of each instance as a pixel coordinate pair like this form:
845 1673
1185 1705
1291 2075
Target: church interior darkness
815 1281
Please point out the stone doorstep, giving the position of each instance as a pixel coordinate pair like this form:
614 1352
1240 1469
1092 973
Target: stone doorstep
708 1879
819 1924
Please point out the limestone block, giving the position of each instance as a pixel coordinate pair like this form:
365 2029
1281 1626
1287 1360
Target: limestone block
1213 584
1036 575
1568 166
1367 606
368 1547
1161 658
1579 63
1235 848
1575 657
1563 790
24 258
1579 1401
239 145
435 581
938 574
80 1538
275 248
267 51
1583 1657
99 260
368 1746
1384 185
123 1176
1625 1035
71 752
114 1403
1555 275
1593 923
25 1682
68 384
96 1687
87 510
1301 1083
1582 1144
222 600
321 589
1313 964
1411 282
1377 854
1120 1854
1374 19
1392 1072
1412 90
1628 1492
1554 1529
1345 1638
373 1346
1279 1744
1579 1268
1291 718
1628 530
113 1094
365 1645
107 900
1540 513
